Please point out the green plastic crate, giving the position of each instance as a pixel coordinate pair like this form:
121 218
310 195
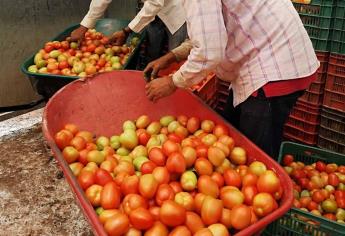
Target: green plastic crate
291 223
47 84
317 20
338 33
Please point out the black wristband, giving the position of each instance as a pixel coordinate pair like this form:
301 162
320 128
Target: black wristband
125 31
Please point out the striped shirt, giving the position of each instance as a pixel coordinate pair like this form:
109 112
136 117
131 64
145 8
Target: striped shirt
247 42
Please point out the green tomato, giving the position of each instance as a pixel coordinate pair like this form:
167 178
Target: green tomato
166 120
33 69
137 162
54 54
122 151
115 142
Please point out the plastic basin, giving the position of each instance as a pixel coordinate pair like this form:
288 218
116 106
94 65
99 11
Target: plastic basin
102 103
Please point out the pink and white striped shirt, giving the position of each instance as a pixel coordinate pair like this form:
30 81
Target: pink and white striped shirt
247 42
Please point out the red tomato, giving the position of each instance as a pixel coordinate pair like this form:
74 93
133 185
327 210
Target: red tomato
220 130
303 182
320 166
318 196
333 179
107 214
263 204
147 167
218 178
203 167
117 225
268 182
225 219
341 203
249 192
110 196
124 166
141 218
287 160
175 138
164 192
193 124
186 200
70 154
130 185
161 174
211 210
172 214
158 229
157 156
102 177
193 222
176 163
216 156
240 217
249 179
208 186
189 155
63 138
330 216
154 210
48 47
201 150
170 147
86 135
304 201
120 177
93 194
72 128
312 206
132 202
86 179
232 178
204 232
148 186
176 186
180 231
57 44
143 138
231 197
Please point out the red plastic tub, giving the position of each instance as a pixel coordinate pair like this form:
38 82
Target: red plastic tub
101 104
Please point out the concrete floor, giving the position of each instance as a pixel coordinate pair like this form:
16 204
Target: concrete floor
35 199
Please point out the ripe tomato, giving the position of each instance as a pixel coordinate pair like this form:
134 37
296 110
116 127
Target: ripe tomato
287 160
180 231
189 155
107 214
240 217
147 167
182 119
124 166
312 206
93 194
220 130
176 163
193 222
249 179
170 147
257 168
158 229
110 196
249 192
232 178
208 186
333 180
330 216
76 168
185 199
263 204
164 192
172 214
102 177
219 230
48 47
193 124
70 154
161 174
320 166
120 177
201 150
154 210
216 156
330 168
86 179
72 128
211 210
157 156
147 186
304 201
204 232
130 185
63 138
141 218
133 232
176 186
222 147
132 202
174 137
268 182
318 196
107 165
203 167
231 197
86 135
218 178
117 225
225 219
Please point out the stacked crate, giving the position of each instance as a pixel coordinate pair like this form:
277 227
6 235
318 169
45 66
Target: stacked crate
222 95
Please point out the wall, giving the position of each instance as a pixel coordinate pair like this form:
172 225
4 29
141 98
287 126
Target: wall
25 25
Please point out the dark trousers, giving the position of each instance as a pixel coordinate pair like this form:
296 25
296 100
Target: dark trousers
261 119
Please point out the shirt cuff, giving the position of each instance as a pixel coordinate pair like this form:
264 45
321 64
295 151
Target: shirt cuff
88 22
179 80
135 26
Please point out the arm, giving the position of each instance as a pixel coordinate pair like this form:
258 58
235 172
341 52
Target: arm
96 11
146 15
181 52
209 39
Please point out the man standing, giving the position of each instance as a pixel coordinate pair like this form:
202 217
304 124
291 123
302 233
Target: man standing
260 46
171 22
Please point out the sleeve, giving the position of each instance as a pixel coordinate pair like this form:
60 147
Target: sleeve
208 35
146 15
182 51
96 11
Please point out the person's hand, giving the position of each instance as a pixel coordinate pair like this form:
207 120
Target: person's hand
118 38
160 88
152 69
78 34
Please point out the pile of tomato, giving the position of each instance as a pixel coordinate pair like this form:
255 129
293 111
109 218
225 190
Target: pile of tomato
319 188
176 176
94 54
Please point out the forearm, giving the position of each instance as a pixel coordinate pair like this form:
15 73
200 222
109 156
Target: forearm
181 52
96 11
